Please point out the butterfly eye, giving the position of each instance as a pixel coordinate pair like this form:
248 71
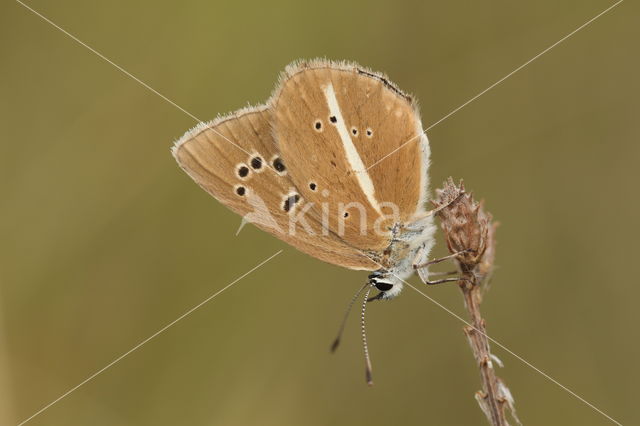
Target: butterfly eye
384 286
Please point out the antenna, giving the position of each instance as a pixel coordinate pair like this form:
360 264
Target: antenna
367 359
336 342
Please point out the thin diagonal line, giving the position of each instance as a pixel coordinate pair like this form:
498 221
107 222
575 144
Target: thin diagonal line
497 82
163 329
524 361
125 72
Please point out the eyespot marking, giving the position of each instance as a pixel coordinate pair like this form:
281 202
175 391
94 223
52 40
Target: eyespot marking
256 163
354 131
242 170
241 190
278 165
333 119
345 215
369 133
318 125
312 186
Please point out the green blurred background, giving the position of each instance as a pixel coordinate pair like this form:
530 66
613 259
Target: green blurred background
105 240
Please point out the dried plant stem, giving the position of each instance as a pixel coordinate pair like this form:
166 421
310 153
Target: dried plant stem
489 398
469 231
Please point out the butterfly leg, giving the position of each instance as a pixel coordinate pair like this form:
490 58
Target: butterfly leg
427 281
445 280
441 259
437 274
424 275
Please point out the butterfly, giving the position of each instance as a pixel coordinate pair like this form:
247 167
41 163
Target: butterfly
335 164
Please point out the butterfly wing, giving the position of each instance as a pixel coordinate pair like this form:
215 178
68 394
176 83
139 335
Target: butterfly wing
236 160
336 120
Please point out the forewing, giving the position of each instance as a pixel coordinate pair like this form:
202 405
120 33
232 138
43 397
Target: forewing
331 122
236 160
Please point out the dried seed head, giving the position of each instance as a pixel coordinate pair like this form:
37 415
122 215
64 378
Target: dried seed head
467 228
469 231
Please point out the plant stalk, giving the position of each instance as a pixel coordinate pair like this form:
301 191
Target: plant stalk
469 232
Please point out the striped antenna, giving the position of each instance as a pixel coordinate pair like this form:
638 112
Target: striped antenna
367 359
336 342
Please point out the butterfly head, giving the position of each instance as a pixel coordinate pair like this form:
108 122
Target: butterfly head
389 284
